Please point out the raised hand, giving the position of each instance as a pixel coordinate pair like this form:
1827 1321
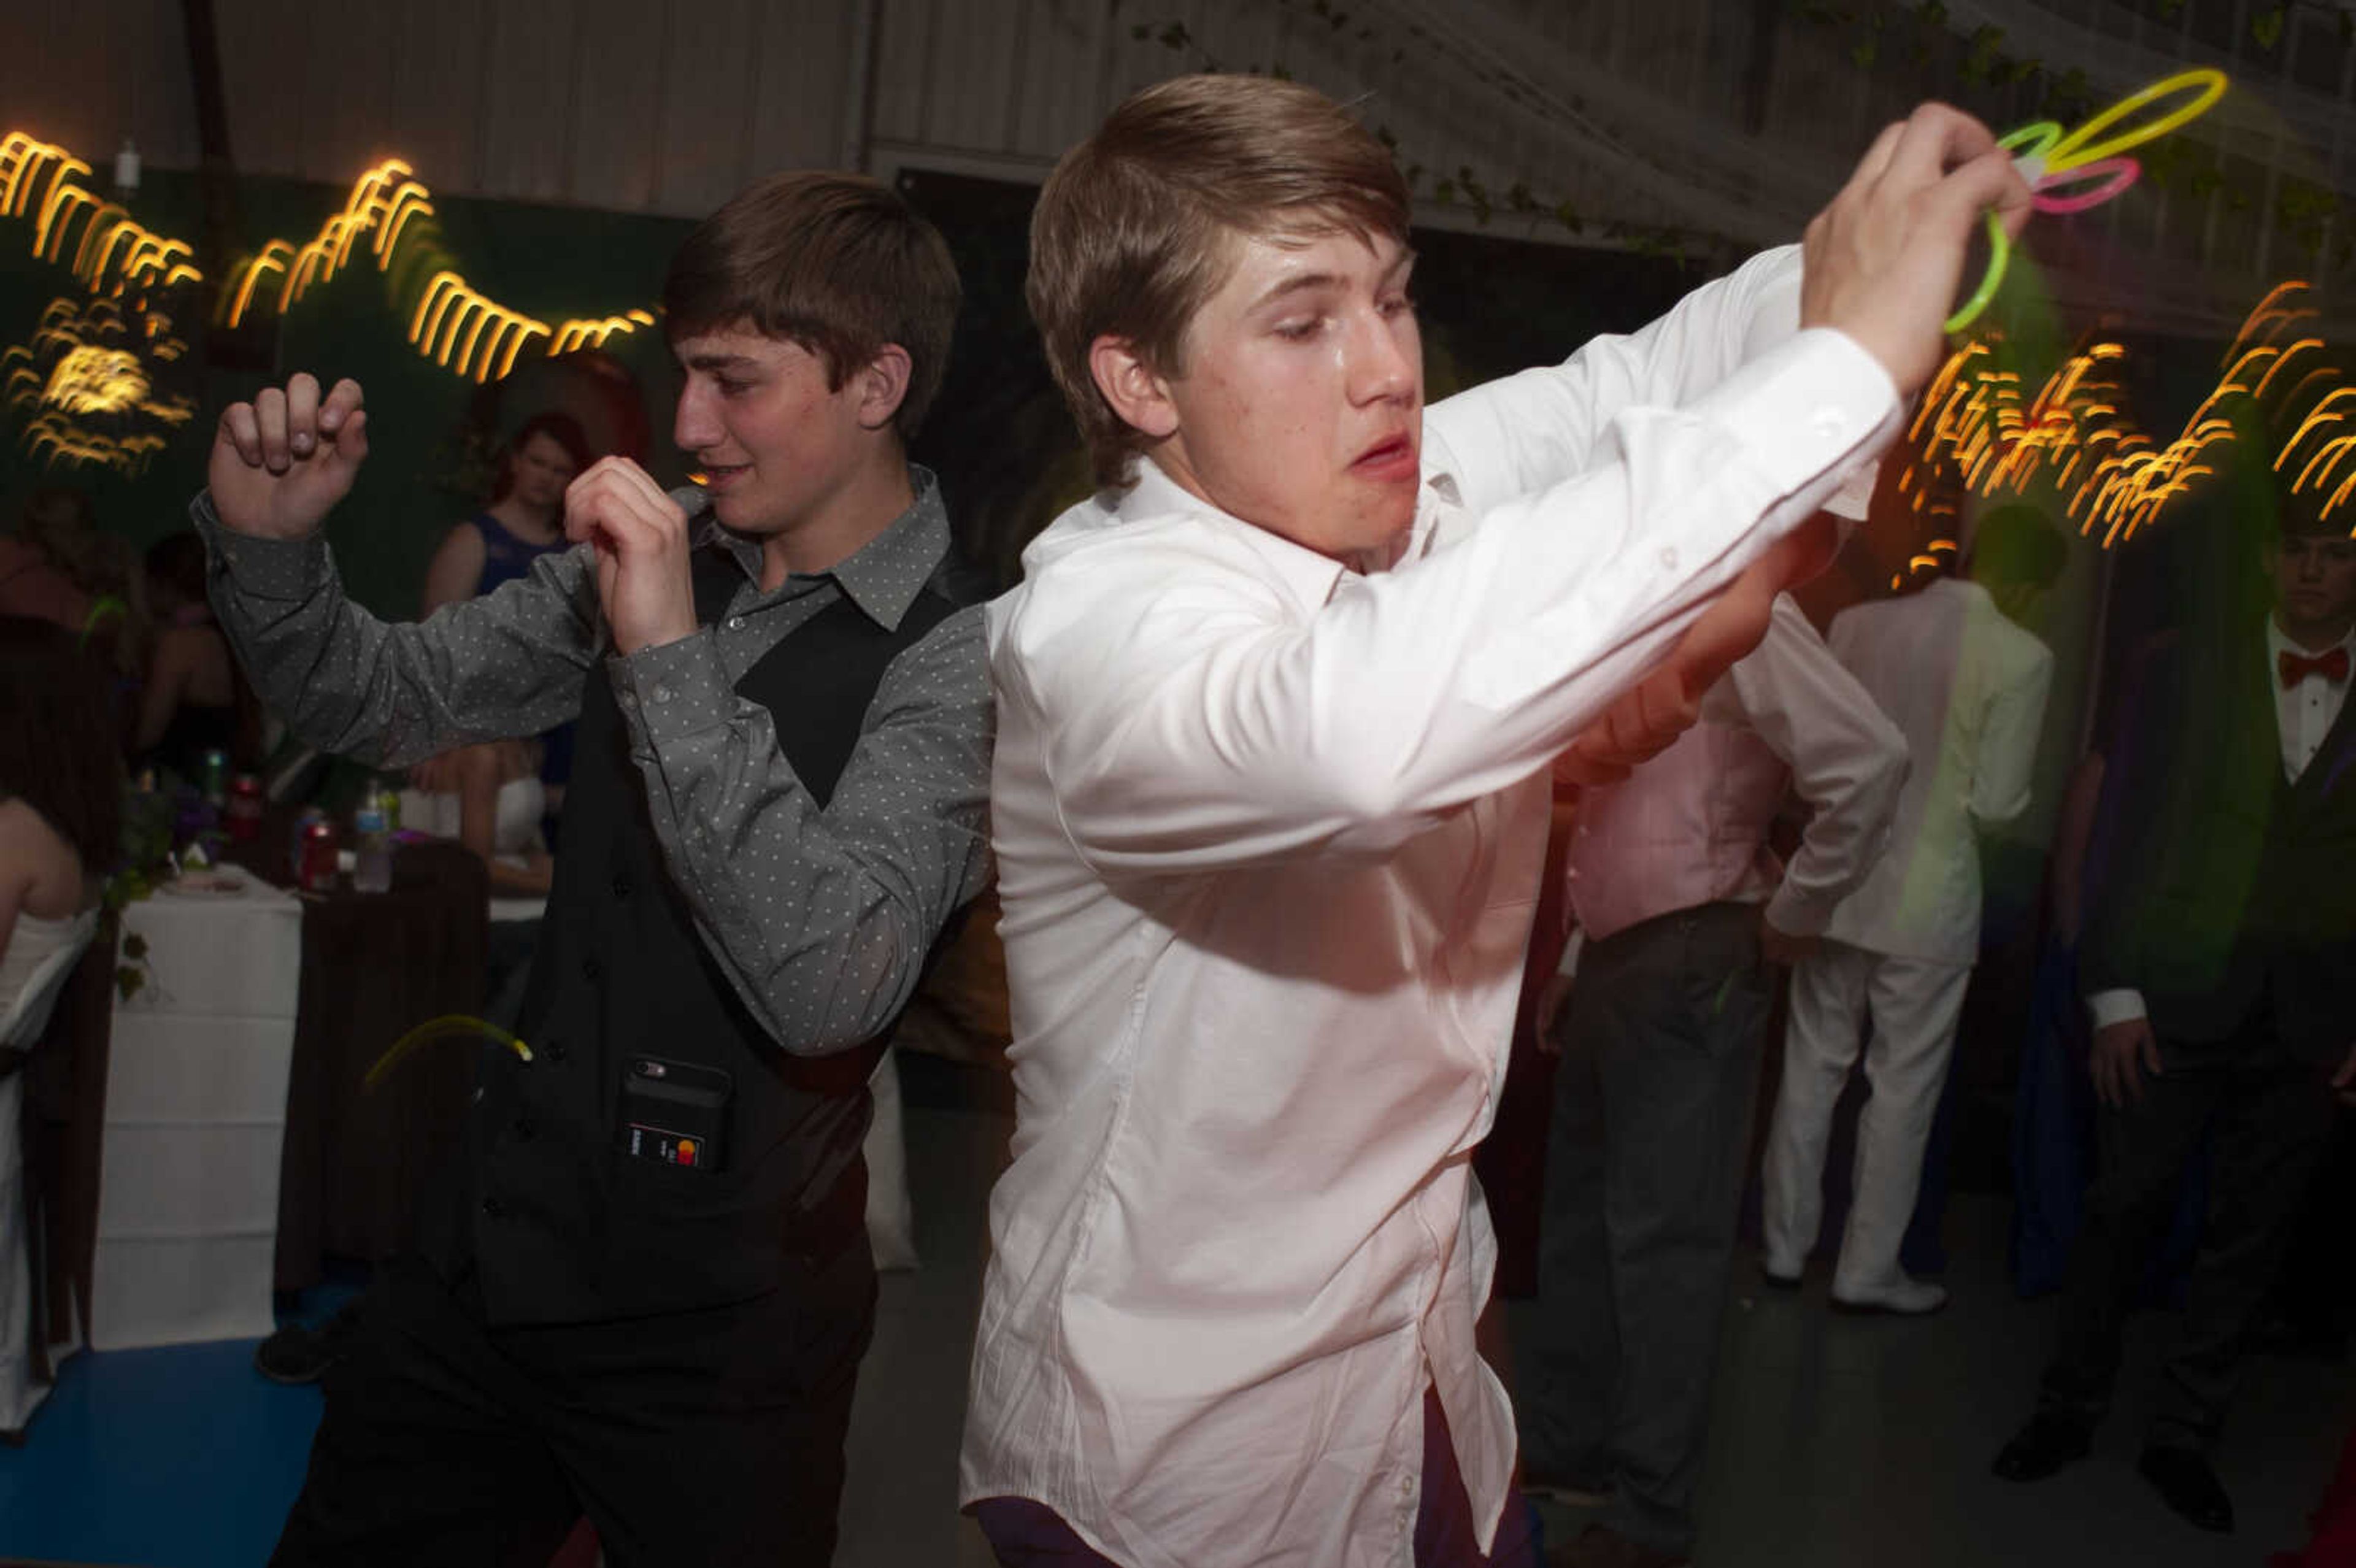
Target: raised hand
1881 262
643 578
281 461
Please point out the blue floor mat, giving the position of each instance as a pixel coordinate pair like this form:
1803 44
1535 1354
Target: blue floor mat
182 1456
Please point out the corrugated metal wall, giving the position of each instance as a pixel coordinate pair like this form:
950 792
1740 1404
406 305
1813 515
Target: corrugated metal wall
1728 117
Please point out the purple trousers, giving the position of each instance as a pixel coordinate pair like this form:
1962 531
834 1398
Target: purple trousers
1026 1535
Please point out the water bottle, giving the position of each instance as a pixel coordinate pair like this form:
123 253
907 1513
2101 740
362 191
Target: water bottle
372 851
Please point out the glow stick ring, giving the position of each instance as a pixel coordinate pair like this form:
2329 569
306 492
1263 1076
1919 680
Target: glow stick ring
2121 173
2079 146
1999 257
2044 132
2040 135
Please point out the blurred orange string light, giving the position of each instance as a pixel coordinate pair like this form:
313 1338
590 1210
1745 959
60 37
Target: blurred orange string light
470 333
2113 477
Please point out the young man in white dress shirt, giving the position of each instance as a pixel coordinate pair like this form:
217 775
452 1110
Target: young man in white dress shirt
1967 687
1681 908
1275 710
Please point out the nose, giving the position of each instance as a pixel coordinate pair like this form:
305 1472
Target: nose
696 425
1384 363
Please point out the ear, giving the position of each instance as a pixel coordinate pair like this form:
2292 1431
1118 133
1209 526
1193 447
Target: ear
1139 396
883 384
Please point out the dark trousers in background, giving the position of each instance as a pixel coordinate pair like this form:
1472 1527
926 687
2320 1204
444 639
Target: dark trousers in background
2272 1118
711 1437
1661 1041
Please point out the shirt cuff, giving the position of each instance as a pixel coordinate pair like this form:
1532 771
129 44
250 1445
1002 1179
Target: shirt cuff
1796 912
1854 499
262 568
2108 1007
1813 411
671 690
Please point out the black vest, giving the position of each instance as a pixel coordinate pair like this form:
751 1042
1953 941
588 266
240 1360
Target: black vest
559 1223
2240 886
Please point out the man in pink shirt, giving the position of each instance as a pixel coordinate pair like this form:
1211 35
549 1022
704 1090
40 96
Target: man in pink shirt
1681 908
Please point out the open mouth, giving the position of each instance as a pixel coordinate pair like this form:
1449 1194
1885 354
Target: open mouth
1386 460
719 475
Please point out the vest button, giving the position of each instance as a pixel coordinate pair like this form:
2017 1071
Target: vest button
621 885
591 969
493 1208
524 1129
557 1049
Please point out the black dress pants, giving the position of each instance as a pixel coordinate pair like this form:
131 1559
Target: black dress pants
706 1437
2270 1116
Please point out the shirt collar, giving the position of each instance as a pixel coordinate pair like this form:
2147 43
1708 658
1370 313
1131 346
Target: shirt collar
884 575
2279 643
1311 577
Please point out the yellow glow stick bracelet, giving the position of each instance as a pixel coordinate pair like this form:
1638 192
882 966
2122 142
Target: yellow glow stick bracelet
2045 153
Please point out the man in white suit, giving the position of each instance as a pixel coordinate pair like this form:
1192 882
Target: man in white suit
1967 687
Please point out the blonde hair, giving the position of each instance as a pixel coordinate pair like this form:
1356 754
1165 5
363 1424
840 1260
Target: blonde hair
1136 228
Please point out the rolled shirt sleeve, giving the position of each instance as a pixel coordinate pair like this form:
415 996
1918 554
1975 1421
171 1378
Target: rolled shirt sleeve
509 664
1194 717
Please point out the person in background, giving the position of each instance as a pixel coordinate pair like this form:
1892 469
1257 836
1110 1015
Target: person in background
2217 962
523 521
195 699
36 575
62 567
1682 908
1954 666
60 794
496 811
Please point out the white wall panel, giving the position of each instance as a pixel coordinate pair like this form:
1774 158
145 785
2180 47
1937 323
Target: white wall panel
613 153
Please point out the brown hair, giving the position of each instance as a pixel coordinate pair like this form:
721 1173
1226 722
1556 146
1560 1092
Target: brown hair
561 429
57 742
1133 230
838 264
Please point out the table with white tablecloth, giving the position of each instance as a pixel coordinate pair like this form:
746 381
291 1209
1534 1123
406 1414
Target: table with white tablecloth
195 1113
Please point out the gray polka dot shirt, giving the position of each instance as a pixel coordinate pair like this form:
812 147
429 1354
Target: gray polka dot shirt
821 918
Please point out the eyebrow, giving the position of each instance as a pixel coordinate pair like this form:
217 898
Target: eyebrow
1311 281
719 361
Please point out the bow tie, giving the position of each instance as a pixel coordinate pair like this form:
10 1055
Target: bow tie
2331 664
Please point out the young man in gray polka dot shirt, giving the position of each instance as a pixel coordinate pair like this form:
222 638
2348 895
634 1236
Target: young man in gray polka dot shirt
642 1289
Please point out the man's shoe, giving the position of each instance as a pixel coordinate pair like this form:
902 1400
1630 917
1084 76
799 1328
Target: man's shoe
299 1354
1904 1296
296 1354
2185 1482
2048 1443
1599 1546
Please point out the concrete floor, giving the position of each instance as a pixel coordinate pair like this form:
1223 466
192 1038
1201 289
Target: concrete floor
1839 1442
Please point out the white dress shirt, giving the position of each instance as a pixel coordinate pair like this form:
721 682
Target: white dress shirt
1968 689
1689 826
2304 715
1269 836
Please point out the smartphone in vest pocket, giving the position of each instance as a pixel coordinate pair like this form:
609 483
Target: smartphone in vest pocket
675 1113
